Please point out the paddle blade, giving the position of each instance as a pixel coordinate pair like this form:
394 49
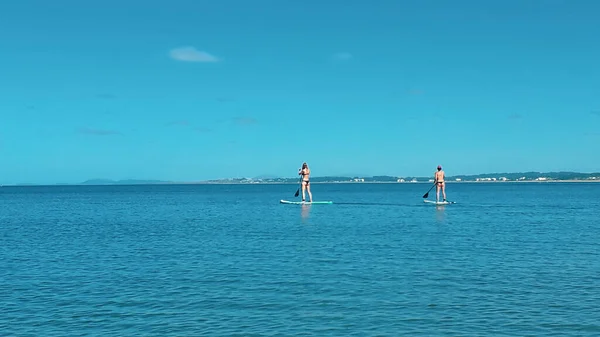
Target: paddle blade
297 192
427 194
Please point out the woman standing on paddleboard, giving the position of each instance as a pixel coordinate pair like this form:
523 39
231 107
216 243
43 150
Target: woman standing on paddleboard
440 183
305 173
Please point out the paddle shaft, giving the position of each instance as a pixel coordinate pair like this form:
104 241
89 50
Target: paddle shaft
427 194
298 190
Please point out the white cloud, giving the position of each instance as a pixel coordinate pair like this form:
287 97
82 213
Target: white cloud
191 54
342 56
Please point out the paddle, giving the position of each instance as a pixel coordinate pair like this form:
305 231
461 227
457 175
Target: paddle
427 194
298 190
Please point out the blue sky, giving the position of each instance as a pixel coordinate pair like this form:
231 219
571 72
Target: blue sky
193 90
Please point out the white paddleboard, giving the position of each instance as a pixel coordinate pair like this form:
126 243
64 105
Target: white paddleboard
304 202
438 203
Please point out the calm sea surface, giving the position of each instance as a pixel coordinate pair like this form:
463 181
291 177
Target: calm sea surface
214 260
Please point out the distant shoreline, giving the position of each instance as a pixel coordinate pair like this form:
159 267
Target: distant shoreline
316 182
388 182
497 177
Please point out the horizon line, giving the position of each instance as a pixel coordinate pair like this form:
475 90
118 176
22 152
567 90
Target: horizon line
273 179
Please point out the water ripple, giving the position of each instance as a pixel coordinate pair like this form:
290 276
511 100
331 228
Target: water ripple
231 261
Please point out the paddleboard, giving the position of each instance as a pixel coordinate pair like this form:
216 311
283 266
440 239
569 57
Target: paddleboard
304 202
439 203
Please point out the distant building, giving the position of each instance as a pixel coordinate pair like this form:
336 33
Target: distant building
458 179
400 180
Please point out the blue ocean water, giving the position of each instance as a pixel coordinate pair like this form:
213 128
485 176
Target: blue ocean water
508 259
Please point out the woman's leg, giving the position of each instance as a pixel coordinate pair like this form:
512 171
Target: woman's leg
303 190
444 190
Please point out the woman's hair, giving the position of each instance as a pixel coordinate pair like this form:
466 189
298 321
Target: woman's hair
304 165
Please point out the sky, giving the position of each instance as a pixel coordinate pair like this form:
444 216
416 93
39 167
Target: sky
193 90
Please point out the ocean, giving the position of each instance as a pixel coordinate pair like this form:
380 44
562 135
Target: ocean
508 259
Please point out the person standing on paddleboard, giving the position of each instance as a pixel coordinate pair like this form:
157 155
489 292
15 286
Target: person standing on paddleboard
440 183
305 173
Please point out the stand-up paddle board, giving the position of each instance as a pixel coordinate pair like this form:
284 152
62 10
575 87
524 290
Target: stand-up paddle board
304 202
439 202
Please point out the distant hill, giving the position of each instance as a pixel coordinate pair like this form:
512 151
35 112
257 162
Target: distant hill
510 176
266 176
563 175
122 182
515 176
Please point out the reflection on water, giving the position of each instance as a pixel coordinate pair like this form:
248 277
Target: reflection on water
440 213
305 212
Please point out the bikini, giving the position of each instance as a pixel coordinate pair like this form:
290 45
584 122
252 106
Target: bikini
305 181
